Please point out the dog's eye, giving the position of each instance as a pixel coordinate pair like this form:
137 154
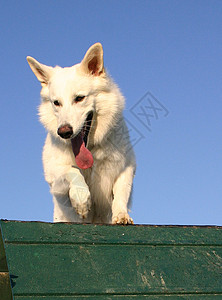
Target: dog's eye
79 98
56 103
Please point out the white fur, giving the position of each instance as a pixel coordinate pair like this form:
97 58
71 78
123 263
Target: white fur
111 176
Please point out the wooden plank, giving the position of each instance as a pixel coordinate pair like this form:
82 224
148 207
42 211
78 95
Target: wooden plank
74 261
37 232
58 269
123 297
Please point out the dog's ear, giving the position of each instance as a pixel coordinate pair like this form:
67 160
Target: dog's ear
42 72
92 62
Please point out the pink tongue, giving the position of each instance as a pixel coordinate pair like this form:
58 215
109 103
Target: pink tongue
84 158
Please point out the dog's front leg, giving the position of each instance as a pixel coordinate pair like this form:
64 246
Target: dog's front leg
71 197
122 191
79 192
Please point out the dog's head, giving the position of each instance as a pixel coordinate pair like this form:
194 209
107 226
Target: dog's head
81 99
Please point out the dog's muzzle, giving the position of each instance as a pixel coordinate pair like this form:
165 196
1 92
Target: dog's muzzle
65 131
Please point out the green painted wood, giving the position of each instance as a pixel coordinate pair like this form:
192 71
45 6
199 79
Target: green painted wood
37 232
124 297
114 269
76 261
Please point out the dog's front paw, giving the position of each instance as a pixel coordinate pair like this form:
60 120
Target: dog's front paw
122 218
79 194
80 200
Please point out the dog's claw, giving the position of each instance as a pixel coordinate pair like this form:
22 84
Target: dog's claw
122 219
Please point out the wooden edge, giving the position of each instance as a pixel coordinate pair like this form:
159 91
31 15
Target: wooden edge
114 225
3 262
75 233
5 284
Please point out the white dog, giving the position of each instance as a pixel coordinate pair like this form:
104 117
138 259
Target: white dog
87 159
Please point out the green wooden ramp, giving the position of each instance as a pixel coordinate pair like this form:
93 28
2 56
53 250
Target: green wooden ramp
64 261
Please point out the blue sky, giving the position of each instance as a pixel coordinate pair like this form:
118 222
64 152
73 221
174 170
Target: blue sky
166 56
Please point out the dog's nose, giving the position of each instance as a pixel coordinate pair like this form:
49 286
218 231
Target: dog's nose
65 131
